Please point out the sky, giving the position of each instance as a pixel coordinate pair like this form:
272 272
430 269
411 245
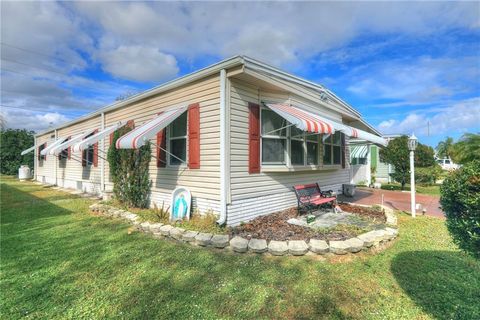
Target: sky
405 66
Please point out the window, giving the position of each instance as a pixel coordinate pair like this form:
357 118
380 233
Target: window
41 157
64 154
332 149
285 144
87 157
177 140
274 137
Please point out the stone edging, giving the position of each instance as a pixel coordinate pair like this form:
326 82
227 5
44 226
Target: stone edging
365 241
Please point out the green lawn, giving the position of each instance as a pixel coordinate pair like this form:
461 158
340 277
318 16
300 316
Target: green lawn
58 261
433 190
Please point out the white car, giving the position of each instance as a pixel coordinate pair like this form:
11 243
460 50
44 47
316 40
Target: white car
447 164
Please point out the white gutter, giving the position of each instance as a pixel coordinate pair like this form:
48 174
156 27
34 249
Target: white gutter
223 159
102 160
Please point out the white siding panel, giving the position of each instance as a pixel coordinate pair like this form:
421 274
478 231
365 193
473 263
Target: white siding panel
267 192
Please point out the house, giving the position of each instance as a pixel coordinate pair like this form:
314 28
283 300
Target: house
239 134
365 163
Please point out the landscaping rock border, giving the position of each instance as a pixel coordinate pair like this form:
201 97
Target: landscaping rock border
365 241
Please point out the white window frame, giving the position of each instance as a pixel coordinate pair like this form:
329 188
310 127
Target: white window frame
287 164
169 138
331 145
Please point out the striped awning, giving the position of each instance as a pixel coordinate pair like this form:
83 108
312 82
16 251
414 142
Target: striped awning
84 144
359 151
315 123
57 150
137 137
24 152
48 149
302 119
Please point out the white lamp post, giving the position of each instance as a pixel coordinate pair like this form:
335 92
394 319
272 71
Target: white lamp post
412 145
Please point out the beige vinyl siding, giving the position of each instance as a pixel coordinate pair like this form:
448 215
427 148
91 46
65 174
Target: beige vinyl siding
256 194
203 182
70 172
45 168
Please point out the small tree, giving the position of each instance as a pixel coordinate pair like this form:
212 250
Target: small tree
12 143
467 148
445 148
129 172
460 200
398 155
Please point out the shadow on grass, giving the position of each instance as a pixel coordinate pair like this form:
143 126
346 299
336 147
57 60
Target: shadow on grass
445 284
62 262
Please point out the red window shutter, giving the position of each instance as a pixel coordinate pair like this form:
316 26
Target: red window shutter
69 150
45 156
344 160
253 138
111 137
161 147
194 136
95 151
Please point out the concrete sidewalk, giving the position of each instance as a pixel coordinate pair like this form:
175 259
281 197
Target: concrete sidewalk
397 200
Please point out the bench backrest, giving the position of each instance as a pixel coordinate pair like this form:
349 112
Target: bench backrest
306 191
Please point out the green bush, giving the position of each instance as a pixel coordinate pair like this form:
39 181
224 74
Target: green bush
460 200
428 175
12 143
129 172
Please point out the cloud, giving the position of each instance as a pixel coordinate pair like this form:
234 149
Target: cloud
139 63
32 120
457 118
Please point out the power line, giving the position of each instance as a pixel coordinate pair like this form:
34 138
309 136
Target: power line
32 66
21 108
40 53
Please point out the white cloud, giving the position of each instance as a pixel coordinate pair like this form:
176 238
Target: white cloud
32 120
458 118
139 63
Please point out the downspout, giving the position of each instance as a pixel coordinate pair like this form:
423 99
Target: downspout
56 163
35 158
223 159
102 160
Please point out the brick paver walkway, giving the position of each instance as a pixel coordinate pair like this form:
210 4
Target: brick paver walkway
396 200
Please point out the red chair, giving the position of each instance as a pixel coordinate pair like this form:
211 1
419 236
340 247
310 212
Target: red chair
310 197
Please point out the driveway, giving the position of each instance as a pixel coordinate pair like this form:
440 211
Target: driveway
398 200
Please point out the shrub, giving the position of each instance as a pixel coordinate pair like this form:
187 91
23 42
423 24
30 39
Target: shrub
428 175
12 143
460 200
129 172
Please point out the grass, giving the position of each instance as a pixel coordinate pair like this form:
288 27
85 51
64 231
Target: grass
198 222
60 262
433 190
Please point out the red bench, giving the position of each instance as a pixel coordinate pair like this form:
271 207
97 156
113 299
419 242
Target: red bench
309 197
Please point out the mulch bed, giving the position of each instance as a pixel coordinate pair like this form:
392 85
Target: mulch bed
275 226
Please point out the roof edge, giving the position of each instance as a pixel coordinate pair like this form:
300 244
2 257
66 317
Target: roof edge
172 84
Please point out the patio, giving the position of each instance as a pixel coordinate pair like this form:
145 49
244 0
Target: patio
398 200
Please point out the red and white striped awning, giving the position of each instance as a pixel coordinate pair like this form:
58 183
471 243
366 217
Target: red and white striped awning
84 144
57 150
53 145
302 119
314 123
137 137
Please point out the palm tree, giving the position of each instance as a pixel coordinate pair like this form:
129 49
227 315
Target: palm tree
467 148
445 148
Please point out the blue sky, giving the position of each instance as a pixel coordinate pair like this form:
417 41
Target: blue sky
403 65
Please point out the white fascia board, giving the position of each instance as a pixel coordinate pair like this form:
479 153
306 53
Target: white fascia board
202 73
287 76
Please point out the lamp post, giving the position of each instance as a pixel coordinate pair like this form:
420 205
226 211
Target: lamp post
412 145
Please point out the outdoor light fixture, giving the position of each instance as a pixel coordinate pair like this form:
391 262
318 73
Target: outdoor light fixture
412 145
